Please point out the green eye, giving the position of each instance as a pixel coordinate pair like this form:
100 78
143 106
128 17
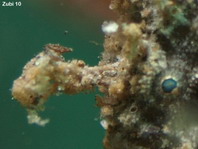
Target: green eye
169 85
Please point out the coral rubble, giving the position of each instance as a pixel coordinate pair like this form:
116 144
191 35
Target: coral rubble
148 75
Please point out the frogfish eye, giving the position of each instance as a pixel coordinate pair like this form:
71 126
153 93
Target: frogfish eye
169 85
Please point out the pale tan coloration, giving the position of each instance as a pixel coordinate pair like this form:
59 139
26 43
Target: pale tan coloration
106 111
48 73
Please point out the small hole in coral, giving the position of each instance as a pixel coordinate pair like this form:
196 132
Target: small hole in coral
133 109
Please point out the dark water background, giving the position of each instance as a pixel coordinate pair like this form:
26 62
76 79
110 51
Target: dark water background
23 33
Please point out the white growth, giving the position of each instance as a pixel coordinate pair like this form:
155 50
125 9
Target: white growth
34 118
104 124
109 27
196 76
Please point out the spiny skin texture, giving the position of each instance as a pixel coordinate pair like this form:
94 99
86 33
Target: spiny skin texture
148 75
48 74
